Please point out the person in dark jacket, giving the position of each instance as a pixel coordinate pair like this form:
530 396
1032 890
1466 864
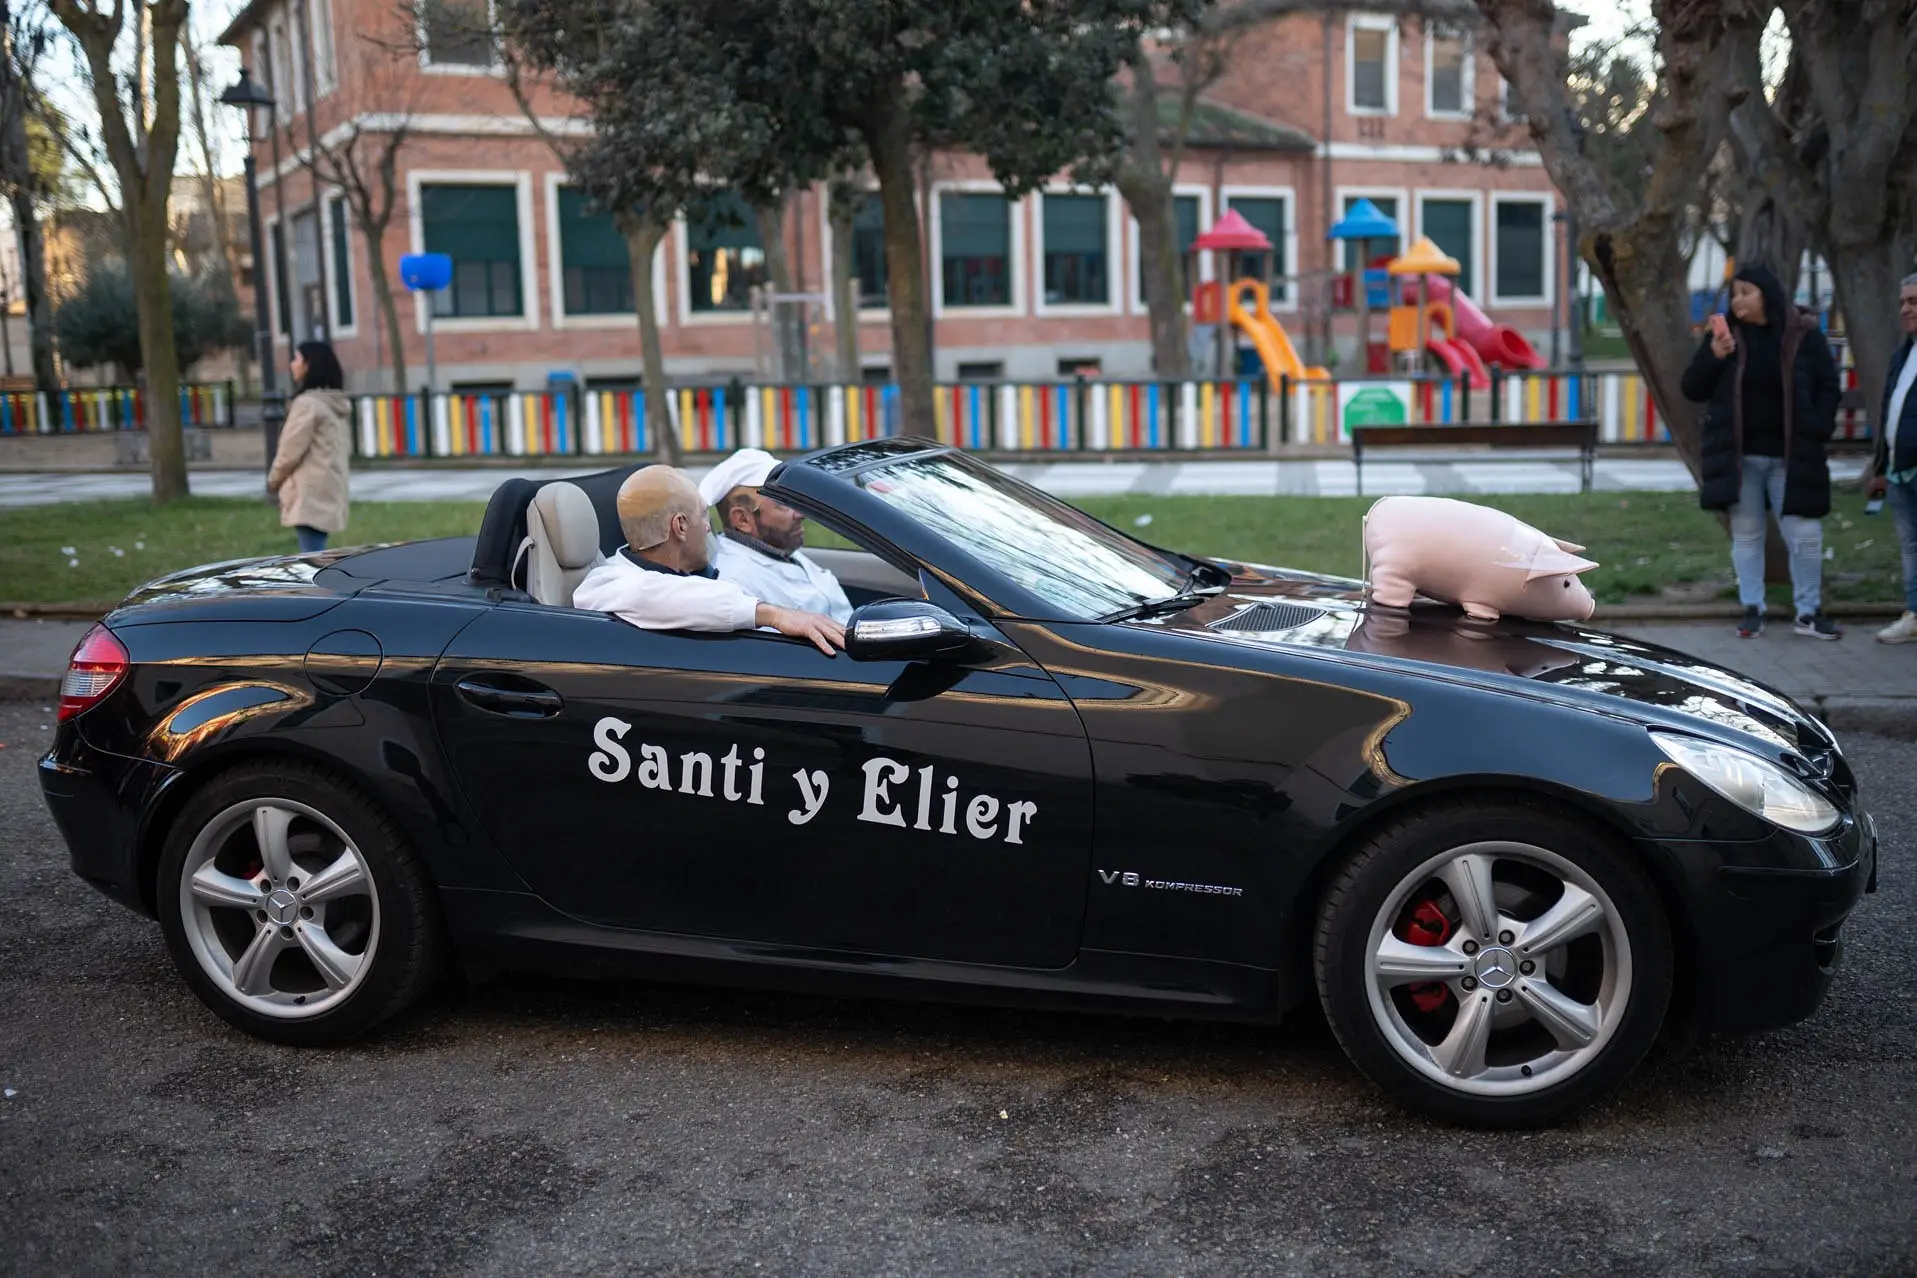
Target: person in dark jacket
1894 467
1772 390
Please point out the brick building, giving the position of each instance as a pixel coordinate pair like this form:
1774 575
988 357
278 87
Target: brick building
1311 115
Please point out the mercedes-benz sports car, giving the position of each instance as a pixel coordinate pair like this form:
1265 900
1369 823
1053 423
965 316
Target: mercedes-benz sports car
1054 765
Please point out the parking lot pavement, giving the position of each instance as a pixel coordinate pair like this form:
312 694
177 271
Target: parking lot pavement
539 1125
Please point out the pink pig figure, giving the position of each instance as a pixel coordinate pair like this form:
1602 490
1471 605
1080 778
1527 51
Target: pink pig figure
1479 558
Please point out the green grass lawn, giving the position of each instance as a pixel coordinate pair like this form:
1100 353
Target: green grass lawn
1651 546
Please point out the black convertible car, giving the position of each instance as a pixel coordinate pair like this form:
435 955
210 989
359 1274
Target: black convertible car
1054 765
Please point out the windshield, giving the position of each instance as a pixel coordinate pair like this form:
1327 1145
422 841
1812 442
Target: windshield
1080 567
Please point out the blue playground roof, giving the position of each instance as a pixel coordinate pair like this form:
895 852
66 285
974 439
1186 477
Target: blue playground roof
1365 222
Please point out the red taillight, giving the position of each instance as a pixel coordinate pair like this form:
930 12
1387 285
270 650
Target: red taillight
95 669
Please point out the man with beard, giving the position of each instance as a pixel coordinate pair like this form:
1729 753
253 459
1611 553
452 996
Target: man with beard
760 540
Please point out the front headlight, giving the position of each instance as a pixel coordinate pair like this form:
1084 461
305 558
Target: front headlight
1754 784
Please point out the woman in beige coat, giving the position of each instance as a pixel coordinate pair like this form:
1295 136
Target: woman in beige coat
309 469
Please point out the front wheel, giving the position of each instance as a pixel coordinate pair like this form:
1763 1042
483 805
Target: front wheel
1496 965
294 907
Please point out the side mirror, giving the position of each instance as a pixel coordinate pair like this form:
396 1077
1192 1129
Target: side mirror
904 630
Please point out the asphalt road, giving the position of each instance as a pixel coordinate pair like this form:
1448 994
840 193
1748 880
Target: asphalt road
541 1126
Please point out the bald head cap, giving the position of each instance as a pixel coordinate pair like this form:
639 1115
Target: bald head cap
649 499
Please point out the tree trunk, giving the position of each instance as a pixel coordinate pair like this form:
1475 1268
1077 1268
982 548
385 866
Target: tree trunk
787 318
888 140
642 241
1767 234
153 297
1151 204
1645 288
33 286
1866 283
374 237
845 296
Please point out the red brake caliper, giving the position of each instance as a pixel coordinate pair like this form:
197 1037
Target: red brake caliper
1425 924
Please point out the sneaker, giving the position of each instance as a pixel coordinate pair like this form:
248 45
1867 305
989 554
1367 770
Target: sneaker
1902 630
1752 625
1815 625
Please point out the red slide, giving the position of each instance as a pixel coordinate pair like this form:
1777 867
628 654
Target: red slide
1492 343
1460 358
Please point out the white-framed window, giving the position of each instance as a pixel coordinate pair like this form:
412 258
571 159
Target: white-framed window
1191 214
483 220
1447 71
1371 64
721 260
1454 220
1392 201
1076 251
325 69
457 36
1521 249
263 71
1273 210
589 269
978 248
285 79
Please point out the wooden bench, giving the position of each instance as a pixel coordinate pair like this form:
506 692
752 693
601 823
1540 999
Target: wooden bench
1582 436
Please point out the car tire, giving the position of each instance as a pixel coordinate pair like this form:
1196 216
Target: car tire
1493 963
294 907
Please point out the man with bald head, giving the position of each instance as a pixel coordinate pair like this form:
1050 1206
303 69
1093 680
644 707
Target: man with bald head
661 578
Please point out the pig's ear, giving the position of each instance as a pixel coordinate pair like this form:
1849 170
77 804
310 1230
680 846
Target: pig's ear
1568 547
1549 561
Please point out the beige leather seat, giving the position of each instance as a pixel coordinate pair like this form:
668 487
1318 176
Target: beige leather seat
562 543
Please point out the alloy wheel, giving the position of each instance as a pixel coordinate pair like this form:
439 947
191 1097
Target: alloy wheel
279 908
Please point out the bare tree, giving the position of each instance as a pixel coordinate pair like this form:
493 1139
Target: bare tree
212 189
141 132
644 230
361 158
843 197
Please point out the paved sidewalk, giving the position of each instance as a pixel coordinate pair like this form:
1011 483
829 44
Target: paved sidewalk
1854 684
1437 472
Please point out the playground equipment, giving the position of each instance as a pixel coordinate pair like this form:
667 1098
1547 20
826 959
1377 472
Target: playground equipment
1413 330
1492 343
1215 303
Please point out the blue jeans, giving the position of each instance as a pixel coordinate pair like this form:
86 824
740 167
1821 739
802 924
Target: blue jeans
1902 500
1804 538
311 539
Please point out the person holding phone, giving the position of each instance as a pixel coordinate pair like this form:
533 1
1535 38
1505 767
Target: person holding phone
1771 387
1893 466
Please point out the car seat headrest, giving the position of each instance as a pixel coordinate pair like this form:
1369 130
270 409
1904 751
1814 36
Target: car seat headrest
570 523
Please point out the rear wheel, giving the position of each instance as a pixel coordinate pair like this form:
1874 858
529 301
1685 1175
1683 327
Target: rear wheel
294 907
1494 964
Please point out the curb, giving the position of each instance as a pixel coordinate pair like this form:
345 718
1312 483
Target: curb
29 687
1730 611
1894 717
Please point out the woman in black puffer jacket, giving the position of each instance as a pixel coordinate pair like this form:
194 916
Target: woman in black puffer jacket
1773 392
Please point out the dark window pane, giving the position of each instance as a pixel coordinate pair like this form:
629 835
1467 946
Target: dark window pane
342 277
1520 250
279 278
457 33
1268 214
1368 49
1075 257
1448 223
868 252
724 258
478 227
596 275
975 249
1386 205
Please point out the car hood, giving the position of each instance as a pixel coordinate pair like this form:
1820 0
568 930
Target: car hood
1567 662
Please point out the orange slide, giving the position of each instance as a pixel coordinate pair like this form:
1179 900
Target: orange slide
1268 336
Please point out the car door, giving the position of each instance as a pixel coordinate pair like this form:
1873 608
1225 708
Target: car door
747 786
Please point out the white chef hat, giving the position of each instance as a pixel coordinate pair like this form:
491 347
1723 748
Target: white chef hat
746 468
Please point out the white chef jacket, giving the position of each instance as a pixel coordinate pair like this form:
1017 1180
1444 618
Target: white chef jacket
794 582
661 599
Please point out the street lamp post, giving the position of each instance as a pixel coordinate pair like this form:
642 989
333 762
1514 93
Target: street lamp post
247 96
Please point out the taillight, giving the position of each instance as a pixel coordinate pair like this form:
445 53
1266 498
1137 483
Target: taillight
96 667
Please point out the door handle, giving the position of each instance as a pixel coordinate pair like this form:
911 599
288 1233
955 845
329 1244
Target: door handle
531 702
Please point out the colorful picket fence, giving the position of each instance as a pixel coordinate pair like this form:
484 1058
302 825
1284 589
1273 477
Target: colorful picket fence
107 408
1241 416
